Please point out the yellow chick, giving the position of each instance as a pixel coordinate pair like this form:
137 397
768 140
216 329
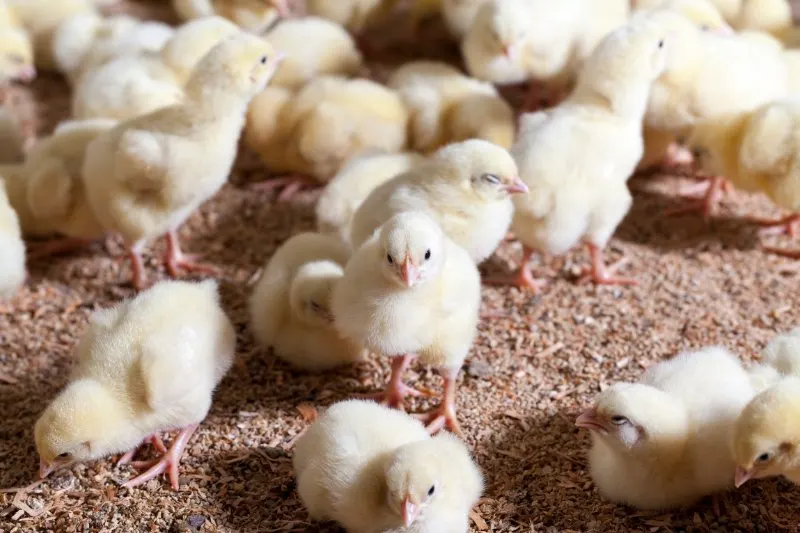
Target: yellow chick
313 47
290 308
447 106
459 14
664 442
353 184
373 470
313 134
16 56
47 191
12 248
771 16
255 16
147 175
146 366
577 157
411 290
355 15
466 187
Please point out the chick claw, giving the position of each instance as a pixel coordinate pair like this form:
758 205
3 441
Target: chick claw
169 460
176 261
601 274
523 278
290 185
713 191
443 417
789 225
395 394
155 440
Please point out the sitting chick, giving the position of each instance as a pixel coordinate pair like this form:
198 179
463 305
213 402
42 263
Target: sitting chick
664 442
147 175
411 290
330 121
255 16
146 366
466 187
290 308
12 248
574 166
447 106
374 470
349 188
355 15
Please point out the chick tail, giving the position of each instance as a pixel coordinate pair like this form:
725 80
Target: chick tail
783 353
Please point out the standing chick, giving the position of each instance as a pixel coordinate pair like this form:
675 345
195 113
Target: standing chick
466 187
146 366
12 248
347 190
410 290
290 308
145 177
664 442
577 157
375 470
447 107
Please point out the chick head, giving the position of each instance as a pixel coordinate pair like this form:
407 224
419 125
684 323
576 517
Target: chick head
507 26
632 418
766 438
192 41
77 426
702 13
482 167
16 56
413 247
312 290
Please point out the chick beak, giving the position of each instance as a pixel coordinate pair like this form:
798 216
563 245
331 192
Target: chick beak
45 468
517 186
410 511
742 476
507 51
279 58
589 420
725 31
27 73
409 273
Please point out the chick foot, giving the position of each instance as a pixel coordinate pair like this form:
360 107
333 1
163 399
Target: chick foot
170 460
396 390
289 185
176 261
155 440
791 254
444 416
713 193
601 274
138 276
38 250
523 278
789 225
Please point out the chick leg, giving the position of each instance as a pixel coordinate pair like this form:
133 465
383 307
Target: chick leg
138 277
170 460
396 390
177 261
791 254
155 440
716 185
37 250
290 186
601 274
444 416
523 278
789 225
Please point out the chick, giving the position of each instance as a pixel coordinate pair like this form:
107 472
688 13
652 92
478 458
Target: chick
147 175
12 248
16 56
255 16
146 366
772 16
459 14
466 187
577 157
447 106
350 187
664 442
411 290
290 308
313 134
314 47
355 15
373 470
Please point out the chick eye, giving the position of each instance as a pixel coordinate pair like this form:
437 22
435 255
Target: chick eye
264 60
431 490
63 455
618 420
764 457
704 27
16 59
315 306
491 178
427 254
389 258
661 43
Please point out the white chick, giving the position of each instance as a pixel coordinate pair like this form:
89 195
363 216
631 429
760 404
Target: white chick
146 366
466 187
313 47
447 106
12 248
664 442
459 14
410 290
16 56
375 470
290 308
313 134
577 157
147 175
347 190
772 16
255 16
355 15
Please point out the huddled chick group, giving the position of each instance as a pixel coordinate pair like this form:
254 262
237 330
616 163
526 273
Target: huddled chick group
424 177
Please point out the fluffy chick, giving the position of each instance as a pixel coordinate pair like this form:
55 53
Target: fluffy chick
314 47
353 184
12 248
459 14
255 16
664 442
466 187
411 290
771 16
16 56
330 121
574 166
355 15
447 106
147 175
146 366
375 470
290 308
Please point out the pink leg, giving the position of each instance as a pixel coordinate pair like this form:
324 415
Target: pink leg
155 440
177 261
290 186
170 460
37 250
789 225
601 274
791 254
707 203
396 390
444 416
523 278
138 277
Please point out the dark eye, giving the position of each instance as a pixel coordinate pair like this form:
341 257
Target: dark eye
427 254
315 306
618 420
491 178
764 457
661 43
704 27
431 490
263 60
389 258
63 455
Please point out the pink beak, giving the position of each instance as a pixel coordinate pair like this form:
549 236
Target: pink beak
410 273
507 51
742 476
517 186
45 468
280 57
410 511
588 420
27 73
